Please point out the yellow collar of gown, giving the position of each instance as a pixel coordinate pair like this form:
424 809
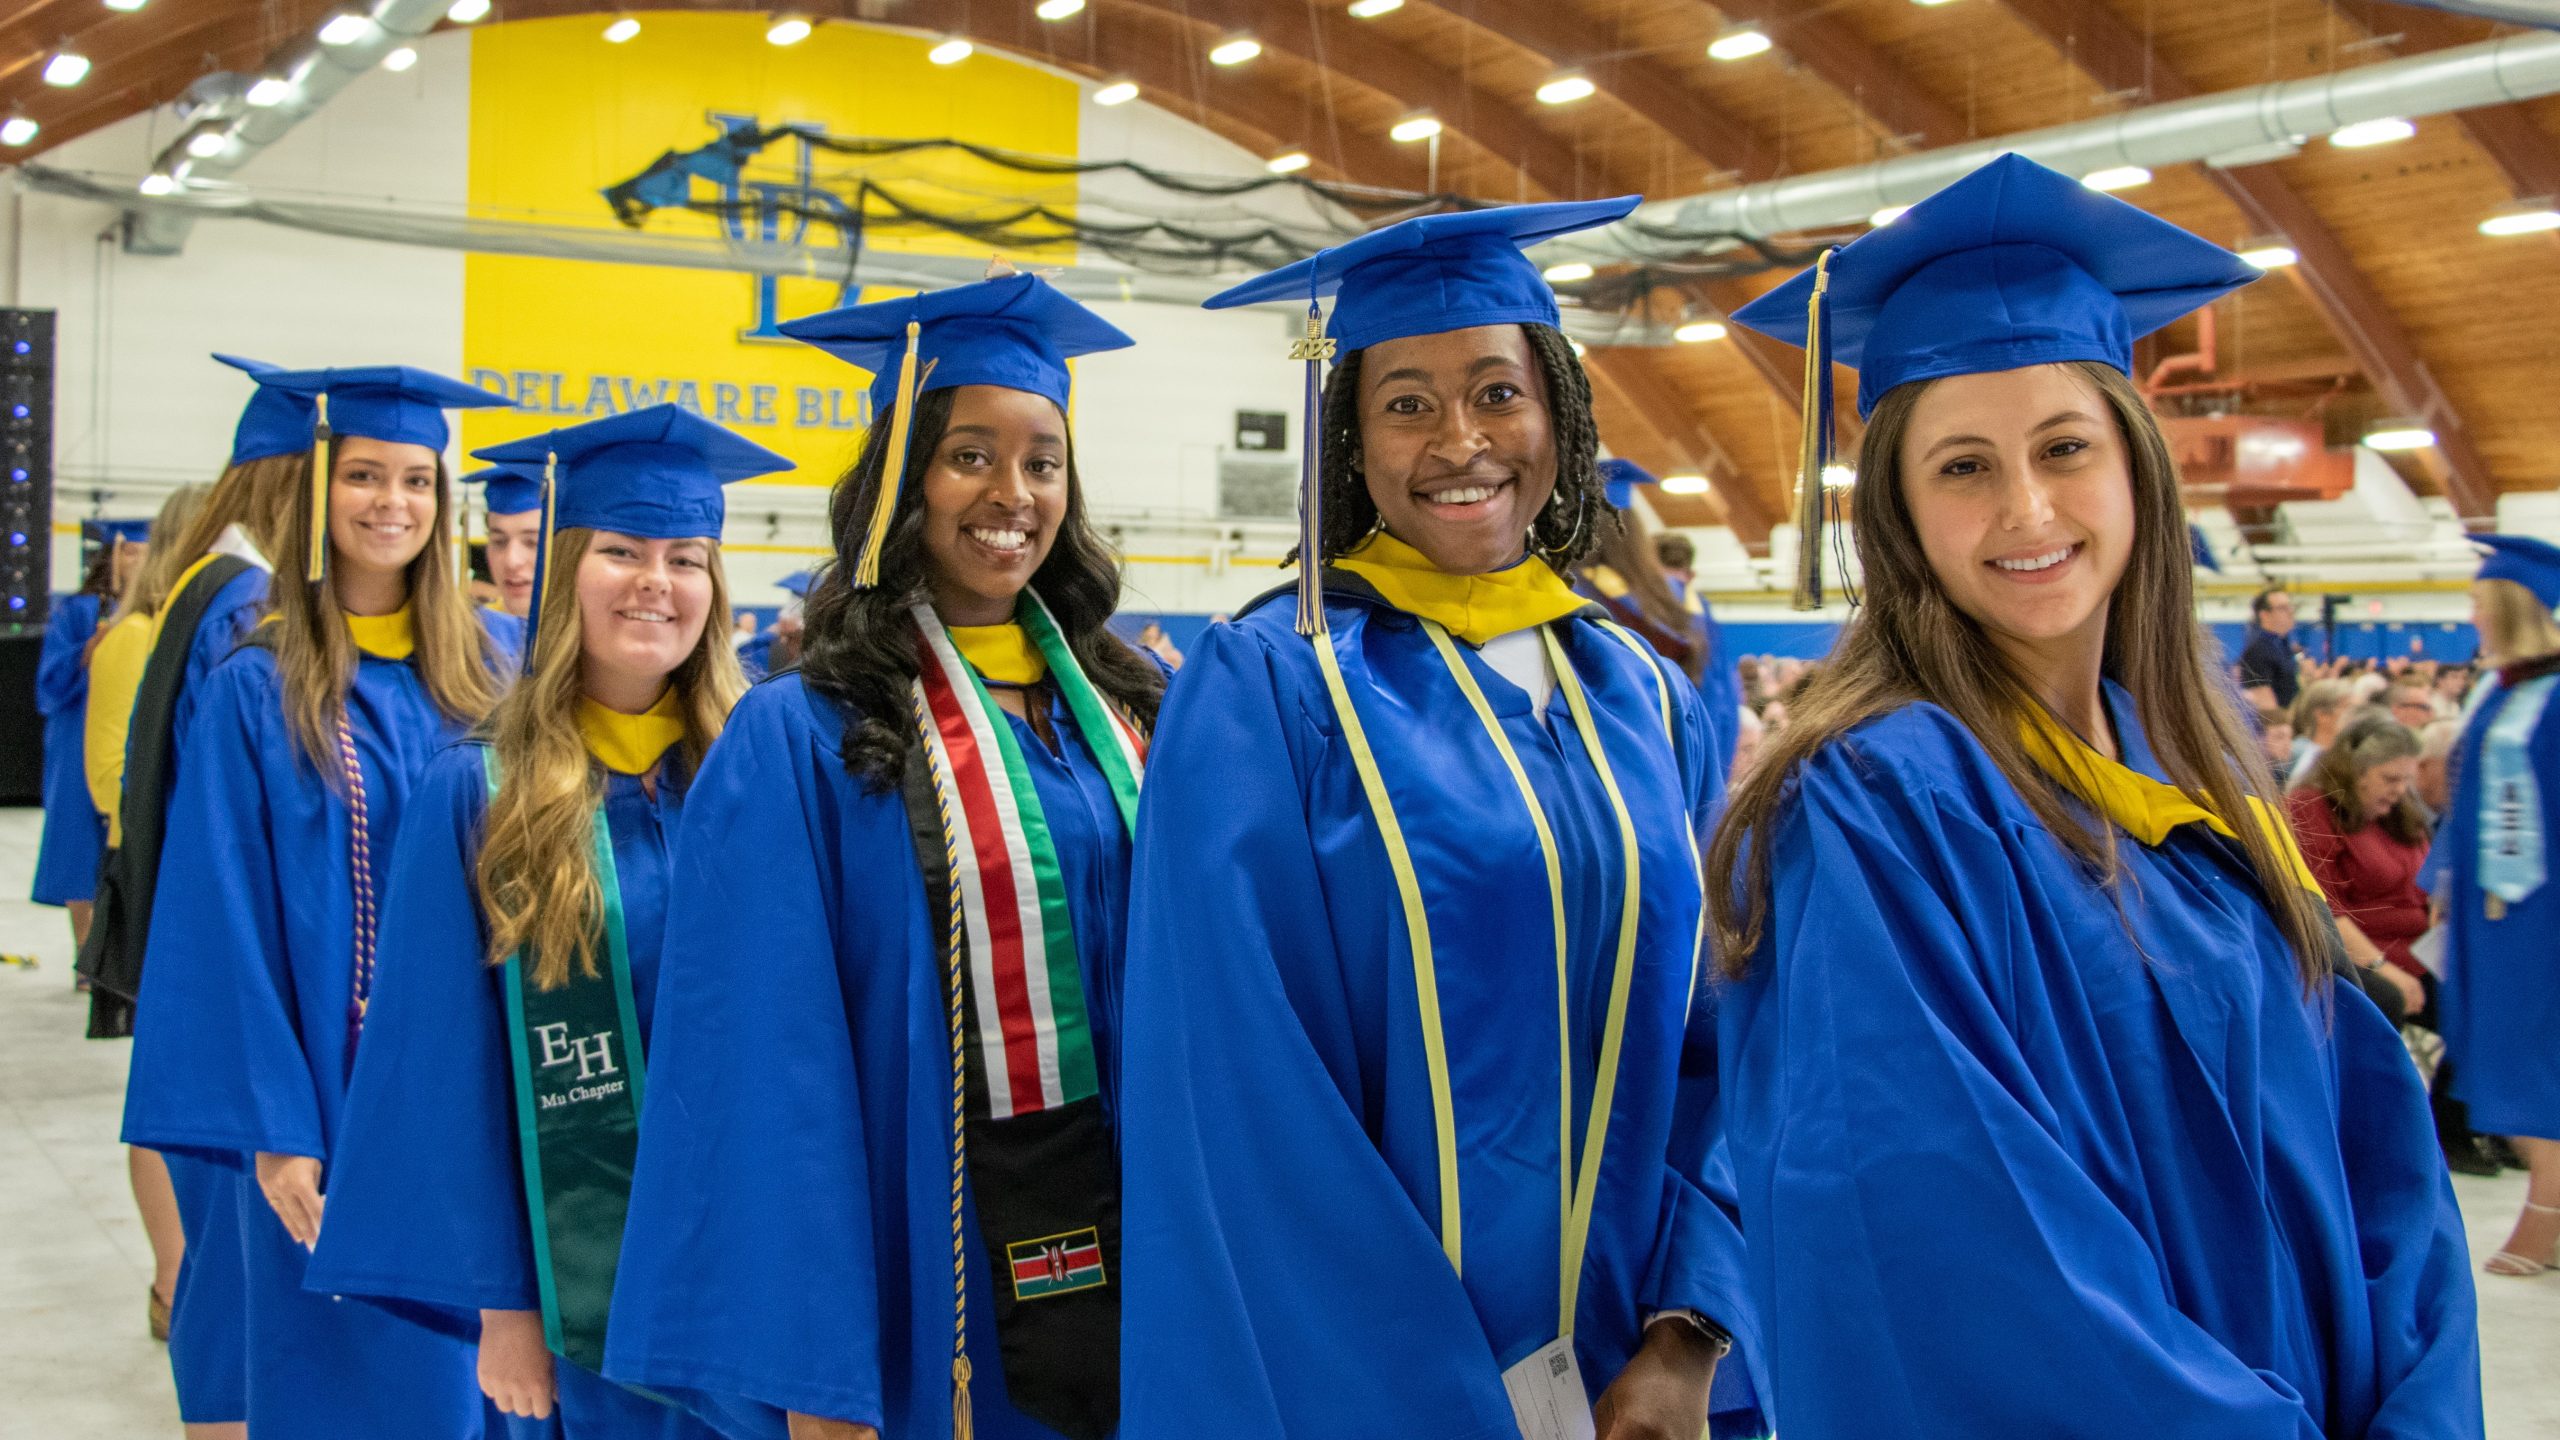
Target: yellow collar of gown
392 637
1002 653
631 744
1475 608
2144 808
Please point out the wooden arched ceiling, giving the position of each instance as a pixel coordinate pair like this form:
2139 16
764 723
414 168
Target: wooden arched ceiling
2397 289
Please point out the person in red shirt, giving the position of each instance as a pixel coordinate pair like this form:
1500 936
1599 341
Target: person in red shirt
2361 828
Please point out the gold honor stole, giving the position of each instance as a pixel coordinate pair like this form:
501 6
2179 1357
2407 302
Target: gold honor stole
2142 807
1029 1143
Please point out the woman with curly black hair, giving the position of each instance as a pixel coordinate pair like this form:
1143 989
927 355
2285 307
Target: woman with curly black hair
877 1189
1419 1126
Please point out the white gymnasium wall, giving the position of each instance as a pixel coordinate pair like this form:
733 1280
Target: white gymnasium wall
140 408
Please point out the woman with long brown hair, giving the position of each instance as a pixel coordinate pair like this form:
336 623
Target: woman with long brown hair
2051 1109
303 746
879 1185
2501 994
492 1120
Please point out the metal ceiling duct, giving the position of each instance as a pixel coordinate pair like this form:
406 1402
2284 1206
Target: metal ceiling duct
2230 126
308 75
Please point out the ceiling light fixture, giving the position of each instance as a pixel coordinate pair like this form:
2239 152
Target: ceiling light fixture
620 31
2521 222
1235 50
2116 177
1565 89
1739 44
2396 435
468 12
345 29
1058 9
2271 256
156 183
2363 133
1118 92
205 144
1888 215
125 7
789 30
1372 9
400 60
1415 127
1684 484
1567 272
18 130
1838 477
268 92
66 68
1288 162
1699 332
951 52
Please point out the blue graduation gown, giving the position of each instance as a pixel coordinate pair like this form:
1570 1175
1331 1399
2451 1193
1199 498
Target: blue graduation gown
2022 1157
426 1191
75 834
241 1033
1720 689
2500 1007
1286 1272
789 1244
755 656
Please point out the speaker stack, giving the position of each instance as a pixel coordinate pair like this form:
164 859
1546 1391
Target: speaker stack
26 541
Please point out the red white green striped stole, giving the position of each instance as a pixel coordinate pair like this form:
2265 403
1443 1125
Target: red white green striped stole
1033 1037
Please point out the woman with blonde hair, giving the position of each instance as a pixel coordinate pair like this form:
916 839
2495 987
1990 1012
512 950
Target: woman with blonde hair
2500 999
493 1118
302 748
2035 1038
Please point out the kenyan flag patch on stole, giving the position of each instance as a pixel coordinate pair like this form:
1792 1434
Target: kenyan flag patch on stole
1058 1265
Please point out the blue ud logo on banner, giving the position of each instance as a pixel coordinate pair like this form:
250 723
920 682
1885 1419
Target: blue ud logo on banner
768 217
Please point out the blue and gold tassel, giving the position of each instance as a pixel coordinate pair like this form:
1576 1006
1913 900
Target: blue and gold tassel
315 557
884 506
542 554
1814 455
1315 348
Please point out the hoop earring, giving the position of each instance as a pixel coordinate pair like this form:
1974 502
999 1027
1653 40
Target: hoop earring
1553 554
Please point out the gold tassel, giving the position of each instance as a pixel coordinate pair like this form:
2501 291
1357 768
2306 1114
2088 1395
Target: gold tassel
1815 450
542 554
1315 348
315 557
866 572
963 1423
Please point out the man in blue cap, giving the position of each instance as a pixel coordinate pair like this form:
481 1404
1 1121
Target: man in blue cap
1413 926
511 514
2036 1040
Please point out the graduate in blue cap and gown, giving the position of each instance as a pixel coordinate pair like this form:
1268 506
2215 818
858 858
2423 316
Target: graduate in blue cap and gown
494 1116
2052 1108
302 748
2499 1000
511 521
75 834
878 1194
1628 579
1421 1123
777 646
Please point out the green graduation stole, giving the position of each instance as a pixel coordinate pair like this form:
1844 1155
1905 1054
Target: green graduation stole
1028 1131
576 1056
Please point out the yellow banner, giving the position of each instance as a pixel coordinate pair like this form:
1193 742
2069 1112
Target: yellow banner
558 114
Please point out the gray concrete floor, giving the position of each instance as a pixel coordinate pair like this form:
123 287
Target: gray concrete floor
76 1362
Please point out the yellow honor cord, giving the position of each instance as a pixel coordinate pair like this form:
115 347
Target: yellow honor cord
389 637
1815 441
2142 807
866 571
1475 608
631 744
1002 653
315 558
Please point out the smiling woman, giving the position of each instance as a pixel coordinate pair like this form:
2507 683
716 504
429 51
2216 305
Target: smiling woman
2017 932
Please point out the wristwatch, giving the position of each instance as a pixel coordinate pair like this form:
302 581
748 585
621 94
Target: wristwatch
1716 1336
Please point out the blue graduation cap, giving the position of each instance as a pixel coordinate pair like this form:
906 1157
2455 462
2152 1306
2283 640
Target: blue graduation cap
1017 331
797 583
275 422
2011 266
399 404
508 489
1620 478
114 532
1423 276
2533 564
655 473
1433 272
2202 547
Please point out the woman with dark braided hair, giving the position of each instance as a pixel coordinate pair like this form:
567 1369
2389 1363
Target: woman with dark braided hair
878 1190
1419 1111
